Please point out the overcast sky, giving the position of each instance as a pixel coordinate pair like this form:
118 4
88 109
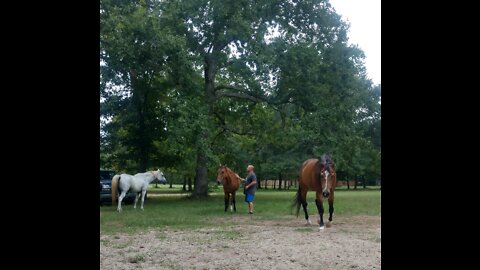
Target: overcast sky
365 30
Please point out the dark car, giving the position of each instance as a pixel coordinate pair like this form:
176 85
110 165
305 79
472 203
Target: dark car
106 189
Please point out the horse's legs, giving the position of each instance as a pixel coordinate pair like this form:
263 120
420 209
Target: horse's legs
233 201
137 196
119 208
330 206
226 200
319 203
143 197
303 201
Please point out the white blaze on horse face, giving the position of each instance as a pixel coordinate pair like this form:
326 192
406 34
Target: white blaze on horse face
220 179
326 180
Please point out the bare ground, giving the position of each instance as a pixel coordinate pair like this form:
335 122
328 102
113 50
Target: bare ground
239 242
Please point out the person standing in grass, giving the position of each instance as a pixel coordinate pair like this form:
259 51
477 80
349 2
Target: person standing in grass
250 188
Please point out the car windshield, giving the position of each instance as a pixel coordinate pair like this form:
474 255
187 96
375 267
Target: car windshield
107 174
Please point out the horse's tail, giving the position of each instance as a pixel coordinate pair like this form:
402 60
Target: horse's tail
115 181
297 201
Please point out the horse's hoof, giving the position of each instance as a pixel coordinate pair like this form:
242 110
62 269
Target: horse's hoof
308 223
329 224
322 228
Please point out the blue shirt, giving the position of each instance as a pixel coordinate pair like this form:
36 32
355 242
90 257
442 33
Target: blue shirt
250 178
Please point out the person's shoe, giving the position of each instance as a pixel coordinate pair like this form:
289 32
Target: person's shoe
250 212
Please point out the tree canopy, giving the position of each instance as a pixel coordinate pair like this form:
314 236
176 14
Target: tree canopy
189 84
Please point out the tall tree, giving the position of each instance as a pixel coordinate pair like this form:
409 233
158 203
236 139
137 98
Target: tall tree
235 41
191 83
139 64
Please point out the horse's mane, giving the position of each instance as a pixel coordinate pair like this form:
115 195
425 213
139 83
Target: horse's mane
144 173
231 174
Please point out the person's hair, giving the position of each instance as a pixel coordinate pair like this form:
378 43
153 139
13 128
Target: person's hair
251 166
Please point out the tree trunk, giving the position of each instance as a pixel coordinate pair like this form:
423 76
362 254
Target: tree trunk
348 183
279 180
364 182
184 183
201 188
142 157
189 183
356 182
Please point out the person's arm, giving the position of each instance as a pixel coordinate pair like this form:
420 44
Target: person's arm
241 179
253 183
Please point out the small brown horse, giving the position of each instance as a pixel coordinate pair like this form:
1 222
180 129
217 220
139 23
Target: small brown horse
231 183
317 175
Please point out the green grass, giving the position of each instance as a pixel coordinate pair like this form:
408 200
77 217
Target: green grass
177 189
179 212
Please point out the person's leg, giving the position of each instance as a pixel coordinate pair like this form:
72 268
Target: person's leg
249 199
250 203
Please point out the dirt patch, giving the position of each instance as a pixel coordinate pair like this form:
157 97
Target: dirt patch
239 242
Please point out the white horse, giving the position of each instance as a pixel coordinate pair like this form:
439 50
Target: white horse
136 183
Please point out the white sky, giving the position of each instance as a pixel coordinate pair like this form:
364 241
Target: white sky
364 17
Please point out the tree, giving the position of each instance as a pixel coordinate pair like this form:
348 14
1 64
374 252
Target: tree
190 84
140 63
234 41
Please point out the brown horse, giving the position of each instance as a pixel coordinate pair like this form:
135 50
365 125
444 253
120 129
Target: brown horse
317 175
231 183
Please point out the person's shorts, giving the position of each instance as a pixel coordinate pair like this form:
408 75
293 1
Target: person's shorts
249 197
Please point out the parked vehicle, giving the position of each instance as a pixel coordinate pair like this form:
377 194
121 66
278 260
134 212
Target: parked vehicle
106 189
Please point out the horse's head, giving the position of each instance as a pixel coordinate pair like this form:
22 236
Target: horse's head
159 175
221 173
328 175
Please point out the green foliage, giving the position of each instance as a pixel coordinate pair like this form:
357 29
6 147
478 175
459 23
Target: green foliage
188 84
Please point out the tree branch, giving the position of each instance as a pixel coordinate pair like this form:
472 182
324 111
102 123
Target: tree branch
230 87
226 127
241 93
230 129
238 95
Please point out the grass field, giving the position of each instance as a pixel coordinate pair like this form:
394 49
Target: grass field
179 212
